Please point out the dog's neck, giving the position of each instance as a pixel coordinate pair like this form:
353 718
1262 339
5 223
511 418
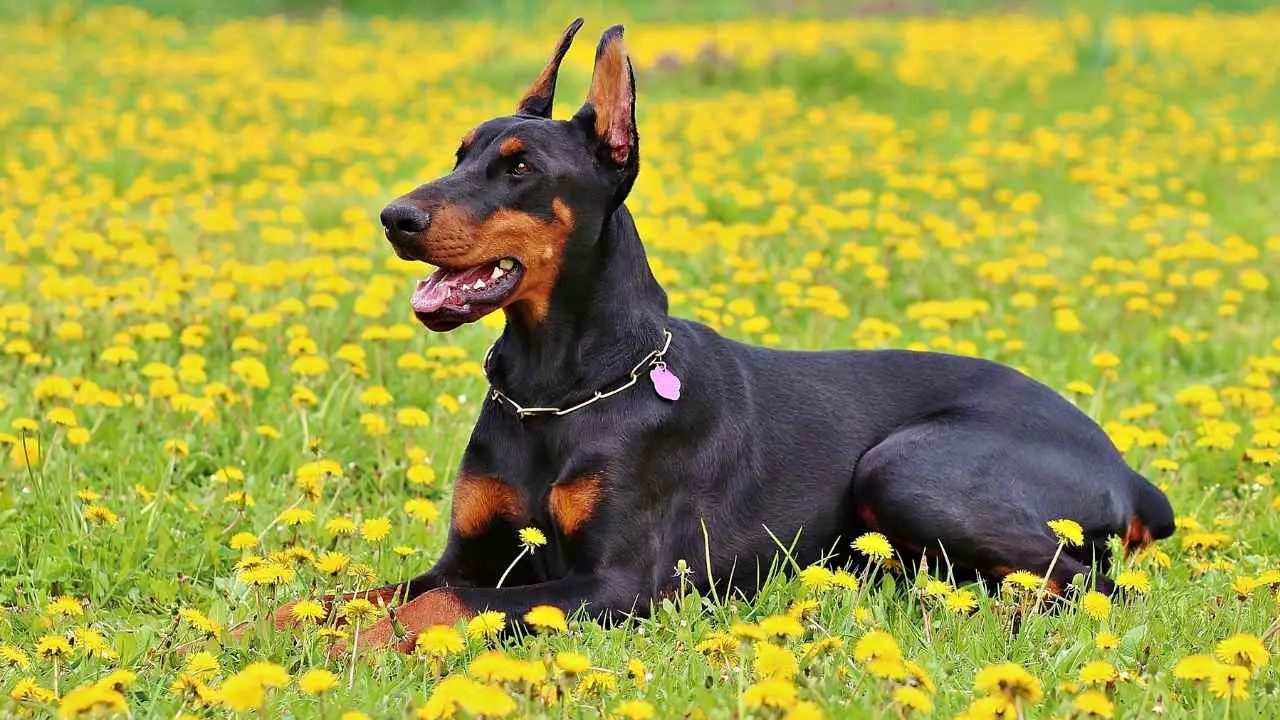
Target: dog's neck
607 312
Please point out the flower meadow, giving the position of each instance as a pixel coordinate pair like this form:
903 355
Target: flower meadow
215 398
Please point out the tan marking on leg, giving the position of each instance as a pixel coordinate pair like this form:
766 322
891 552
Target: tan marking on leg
574 502
868 516
1137 536
478 501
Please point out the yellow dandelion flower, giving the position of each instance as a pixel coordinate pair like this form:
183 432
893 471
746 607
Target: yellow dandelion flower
572 663
27 689
637 671
200 621
65 606
772 693
1080 387
1021 581
634 710
1107 641
242 693
1098 672
421 509
876 645
1092 703
1069 532
100 515
874 546
295 516
816 577
412 417
1244 650
596 683
845 580
421 475
439 641
340 526
331 563
53 647
14 657
307 611
358 611
547 617
375 529
1009 680
201 663
772 661
803 608
1195 667
317 681
913 698
1229 681
488 624
532 537
94 699
888 668
781 626
1134 580
1096 605
962 602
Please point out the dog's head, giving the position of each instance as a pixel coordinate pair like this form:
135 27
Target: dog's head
525 189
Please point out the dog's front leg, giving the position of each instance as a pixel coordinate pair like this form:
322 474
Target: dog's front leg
604 595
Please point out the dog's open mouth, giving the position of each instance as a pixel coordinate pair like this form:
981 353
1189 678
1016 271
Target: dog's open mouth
448 298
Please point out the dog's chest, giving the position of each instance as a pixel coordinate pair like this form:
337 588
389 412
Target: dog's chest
485 502
503 487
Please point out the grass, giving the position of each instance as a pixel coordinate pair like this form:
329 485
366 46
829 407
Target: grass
196 309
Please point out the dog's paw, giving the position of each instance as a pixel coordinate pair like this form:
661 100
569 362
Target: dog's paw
399 629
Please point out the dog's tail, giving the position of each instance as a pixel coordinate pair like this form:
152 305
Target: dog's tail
1152 510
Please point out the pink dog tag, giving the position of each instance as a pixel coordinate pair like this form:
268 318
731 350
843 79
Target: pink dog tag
665 382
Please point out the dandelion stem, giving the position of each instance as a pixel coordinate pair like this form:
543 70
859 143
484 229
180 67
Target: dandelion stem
355 647
1044 584
706 556
306 431
523 551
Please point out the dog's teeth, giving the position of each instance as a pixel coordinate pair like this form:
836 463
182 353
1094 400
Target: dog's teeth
497 273
506 263
479 285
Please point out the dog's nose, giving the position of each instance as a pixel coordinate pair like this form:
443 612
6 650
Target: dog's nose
404 219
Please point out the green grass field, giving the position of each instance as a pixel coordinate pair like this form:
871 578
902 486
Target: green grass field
215 397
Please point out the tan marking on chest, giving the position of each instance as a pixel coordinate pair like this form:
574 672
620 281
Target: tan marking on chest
574 502
478 501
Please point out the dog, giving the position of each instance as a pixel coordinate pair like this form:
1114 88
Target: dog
634 439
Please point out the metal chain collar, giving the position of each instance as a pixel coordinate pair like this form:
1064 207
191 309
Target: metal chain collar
653 359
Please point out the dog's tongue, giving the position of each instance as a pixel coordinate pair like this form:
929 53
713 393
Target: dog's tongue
435 291
444 287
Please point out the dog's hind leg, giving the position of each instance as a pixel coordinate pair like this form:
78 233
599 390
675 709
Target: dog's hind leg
966 498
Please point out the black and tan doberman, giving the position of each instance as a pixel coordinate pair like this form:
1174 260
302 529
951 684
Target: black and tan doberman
628 435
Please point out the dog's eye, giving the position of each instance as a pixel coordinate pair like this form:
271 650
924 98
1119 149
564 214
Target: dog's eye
520 168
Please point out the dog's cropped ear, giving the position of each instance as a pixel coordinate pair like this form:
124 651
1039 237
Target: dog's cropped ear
610 110
538 99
